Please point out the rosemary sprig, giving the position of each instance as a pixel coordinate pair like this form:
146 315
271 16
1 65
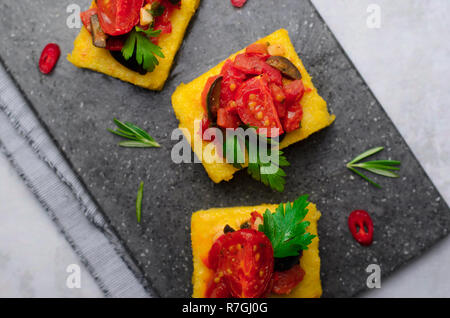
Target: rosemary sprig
380 167
140 194
138 138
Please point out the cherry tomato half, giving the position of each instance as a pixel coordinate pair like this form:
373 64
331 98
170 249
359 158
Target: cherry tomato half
361 226
284 282
256 108
245 262
49 56
118 16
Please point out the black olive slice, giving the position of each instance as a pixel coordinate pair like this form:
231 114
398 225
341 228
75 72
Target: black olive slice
286 263
131 63
98 36
213 99
228 229
285 67
174 1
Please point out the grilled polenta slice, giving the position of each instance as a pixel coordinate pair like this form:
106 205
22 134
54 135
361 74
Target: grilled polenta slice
207 226
186 102
86 55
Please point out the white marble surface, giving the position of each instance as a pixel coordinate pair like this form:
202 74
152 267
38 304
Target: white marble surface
406 62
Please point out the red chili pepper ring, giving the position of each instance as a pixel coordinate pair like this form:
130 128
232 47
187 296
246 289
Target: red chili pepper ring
361 226
49 56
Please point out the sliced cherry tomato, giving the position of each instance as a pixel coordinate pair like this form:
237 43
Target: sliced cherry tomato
49 56
256 65
284 282
257 48
86 17
279 98
238 3
217 290
118 16
256 220
361 226
256 108
232 79
293 118
246 263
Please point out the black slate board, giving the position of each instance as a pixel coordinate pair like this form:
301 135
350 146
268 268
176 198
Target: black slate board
78 105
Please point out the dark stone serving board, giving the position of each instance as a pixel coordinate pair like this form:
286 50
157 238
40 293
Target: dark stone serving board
77 106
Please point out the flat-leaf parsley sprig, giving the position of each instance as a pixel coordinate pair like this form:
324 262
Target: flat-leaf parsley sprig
138 43
138 138
286 228
381 167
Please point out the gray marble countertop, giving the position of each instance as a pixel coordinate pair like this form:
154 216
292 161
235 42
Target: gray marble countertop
404 61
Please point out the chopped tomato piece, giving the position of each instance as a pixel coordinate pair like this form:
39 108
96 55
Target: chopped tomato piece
294 91
118 16
293 117
244 260
256 220
86 17
256 108
226 119
256 65
257 48
284 282
115 43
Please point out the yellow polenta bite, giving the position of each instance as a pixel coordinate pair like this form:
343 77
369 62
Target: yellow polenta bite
162 23
285 101
222 237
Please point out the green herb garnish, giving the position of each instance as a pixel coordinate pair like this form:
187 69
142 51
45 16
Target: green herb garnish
138 43
286 229
380 167
140 194
138 138
257 170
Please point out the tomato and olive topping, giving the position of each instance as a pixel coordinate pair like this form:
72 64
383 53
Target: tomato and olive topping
361 226
243 262
254 93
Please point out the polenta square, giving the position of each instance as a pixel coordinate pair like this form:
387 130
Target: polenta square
208 225
310 110
86 55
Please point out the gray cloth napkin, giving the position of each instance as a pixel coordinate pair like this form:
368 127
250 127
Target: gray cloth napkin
41 165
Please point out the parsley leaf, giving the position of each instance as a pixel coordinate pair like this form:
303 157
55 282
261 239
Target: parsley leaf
286 229
138 43
232 149
258 170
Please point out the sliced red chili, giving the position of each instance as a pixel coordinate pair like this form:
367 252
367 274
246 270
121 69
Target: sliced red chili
284 282
361 226
49 56
238 3
118 17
